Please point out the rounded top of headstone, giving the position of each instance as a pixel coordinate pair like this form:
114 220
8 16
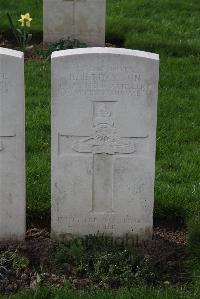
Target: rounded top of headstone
100 50
13 53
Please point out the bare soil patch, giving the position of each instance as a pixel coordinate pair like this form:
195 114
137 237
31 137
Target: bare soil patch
167 250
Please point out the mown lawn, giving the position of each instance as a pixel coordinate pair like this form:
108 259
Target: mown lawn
172 29
38 125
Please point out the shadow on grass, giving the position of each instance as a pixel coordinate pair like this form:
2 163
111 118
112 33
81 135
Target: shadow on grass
170 217
40 219
37 36
169 48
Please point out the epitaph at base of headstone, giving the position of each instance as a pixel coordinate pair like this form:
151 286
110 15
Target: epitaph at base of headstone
80 19
104 111
12 146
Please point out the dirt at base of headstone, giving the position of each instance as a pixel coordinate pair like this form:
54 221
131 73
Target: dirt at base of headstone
33 51
36 49
168 248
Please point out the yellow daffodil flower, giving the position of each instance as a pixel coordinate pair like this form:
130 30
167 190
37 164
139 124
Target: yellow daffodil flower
25 20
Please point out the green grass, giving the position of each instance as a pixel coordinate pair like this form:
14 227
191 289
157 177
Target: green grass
38 135
137 293
170 28
178 159
166 26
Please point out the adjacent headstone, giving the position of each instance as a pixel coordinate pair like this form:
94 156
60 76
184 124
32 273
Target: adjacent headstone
80 19
104 104
12 150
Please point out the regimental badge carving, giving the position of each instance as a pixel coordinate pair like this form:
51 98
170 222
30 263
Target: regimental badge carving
105 138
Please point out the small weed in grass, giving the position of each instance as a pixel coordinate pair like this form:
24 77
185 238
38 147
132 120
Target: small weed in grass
62 44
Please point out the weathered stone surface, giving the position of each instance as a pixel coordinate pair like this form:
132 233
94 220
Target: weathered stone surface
12 149
80 19
104 111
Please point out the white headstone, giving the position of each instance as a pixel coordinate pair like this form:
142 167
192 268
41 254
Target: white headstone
80 19
104 103
12 149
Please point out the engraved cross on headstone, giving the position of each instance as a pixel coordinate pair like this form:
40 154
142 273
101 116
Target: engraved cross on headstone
103 144
74 9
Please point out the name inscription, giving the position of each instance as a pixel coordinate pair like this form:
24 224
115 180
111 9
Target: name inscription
104 81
